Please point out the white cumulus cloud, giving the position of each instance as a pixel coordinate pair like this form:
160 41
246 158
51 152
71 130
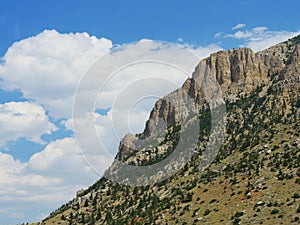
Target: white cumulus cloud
23 120
47 67
49 179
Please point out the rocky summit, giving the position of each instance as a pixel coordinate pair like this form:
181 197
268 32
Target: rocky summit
254 178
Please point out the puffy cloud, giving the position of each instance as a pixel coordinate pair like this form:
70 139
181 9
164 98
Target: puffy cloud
48 67
23 120
238 26
60 163
50 178
8 168
64 160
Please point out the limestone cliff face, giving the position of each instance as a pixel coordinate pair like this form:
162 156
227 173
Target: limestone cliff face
268 117
237 72
235 66
167 112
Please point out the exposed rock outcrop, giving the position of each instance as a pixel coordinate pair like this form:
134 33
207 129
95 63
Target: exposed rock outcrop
257 162
237 71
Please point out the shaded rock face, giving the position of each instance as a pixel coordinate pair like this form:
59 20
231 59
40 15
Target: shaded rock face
235 66
237 71
166 112
127 144
292 69
274 105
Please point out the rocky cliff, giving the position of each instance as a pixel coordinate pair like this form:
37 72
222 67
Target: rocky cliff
254 178
237 71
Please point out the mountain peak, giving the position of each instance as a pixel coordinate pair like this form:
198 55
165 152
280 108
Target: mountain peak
258 160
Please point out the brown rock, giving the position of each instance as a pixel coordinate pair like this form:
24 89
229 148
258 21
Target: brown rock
237 71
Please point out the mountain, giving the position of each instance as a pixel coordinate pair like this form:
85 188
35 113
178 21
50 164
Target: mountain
254 178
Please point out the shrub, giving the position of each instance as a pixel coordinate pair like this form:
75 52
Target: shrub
296 195
206 212
274 211
212 201
239 214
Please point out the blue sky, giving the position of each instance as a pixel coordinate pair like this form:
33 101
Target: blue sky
45 48
127 21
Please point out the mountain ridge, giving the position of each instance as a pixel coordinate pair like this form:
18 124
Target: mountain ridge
234 70
258 160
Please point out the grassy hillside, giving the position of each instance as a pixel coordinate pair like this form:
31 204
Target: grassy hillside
254 179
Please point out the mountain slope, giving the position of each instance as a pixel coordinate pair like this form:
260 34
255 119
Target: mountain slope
254 179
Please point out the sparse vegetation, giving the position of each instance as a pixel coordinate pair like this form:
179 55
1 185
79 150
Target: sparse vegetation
246 184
